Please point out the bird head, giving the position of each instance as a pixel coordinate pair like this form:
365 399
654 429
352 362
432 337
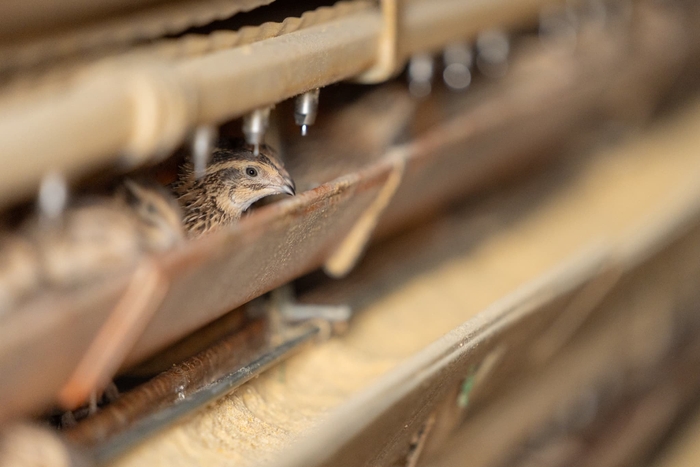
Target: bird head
157 212
239 178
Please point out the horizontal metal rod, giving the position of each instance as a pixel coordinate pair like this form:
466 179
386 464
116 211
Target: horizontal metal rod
35 32
231 352
232 82
137 432
144 108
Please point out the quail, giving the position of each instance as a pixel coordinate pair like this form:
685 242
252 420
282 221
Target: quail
91 240
99 237
157 214
234 180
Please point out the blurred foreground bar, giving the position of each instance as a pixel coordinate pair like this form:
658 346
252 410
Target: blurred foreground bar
96 120
683 449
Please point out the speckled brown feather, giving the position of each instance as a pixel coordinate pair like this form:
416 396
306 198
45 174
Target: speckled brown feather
225 191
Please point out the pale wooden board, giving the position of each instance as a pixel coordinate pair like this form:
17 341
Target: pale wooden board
613 197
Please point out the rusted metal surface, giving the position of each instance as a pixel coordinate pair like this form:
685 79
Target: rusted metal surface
43 343
283 241
117 335
176 383
260 362
186 387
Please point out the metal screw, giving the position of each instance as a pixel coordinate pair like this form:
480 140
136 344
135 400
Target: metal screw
255 125
458 60
493 49
53 196
305 109
420 75
202 144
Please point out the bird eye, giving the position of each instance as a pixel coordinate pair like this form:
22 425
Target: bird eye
251 172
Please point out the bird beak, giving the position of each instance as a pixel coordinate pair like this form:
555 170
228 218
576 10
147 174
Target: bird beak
289 189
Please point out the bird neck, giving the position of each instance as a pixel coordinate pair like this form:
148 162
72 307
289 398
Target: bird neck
206 207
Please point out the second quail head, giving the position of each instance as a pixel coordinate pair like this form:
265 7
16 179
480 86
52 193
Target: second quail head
157 214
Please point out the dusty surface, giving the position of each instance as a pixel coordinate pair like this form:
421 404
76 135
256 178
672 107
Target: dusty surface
684 449
460 265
